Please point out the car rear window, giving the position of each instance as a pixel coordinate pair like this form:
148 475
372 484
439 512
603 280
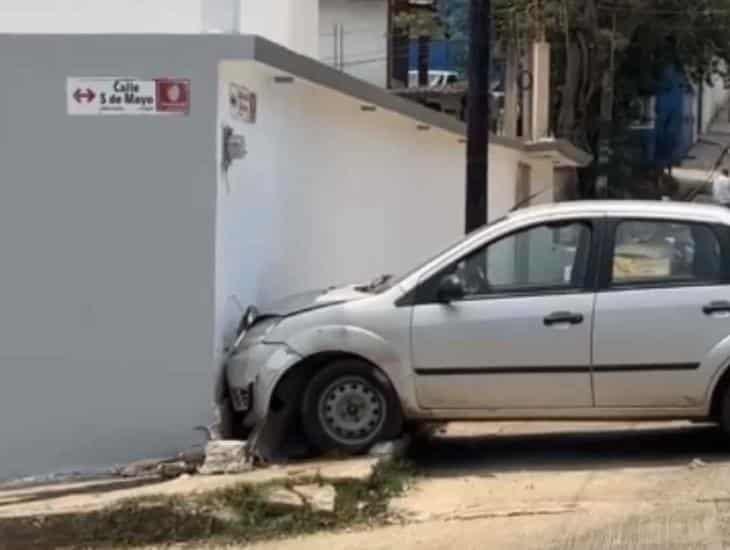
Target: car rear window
665 252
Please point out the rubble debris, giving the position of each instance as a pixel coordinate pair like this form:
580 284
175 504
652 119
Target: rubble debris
285 497
391 450
185 462
697 463
321 498
144 468
194 456
225 456
171 470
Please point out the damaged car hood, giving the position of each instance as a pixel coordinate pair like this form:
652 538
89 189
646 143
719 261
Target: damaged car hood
305 301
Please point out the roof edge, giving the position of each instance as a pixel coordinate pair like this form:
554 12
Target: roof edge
310 69
275 55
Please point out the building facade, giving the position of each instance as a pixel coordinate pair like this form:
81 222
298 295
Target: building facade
130 245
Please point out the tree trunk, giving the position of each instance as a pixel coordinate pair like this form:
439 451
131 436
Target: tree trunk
424 55
399 55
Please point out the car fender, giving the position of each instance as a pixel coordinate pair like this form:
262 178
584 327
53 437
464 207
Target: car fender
717 363
356 341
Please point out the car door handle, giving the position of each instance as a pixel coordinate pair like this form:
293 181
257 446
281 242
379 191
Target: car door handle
716 307
563 318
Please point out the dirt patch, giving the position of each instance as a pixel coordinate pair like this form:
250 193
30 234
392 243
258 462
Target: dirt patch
242 513
554 487
72 498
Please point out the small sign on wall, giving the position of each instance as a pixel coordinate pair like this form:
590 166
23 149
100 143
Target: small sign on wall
127 96
243 103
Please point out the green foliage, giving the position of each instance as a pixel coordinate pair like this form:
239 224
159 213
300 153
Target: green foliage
642 37
418 23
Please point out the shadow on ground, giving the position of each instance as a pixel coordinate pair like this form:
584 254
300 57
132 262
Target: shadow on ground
445 455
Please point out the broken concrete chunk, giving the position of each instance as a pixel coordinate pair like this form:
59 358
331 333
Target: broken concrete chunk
342 470
226 515
170 470
391 450
321 498
146 467
225 457
285 497
194 456
226 447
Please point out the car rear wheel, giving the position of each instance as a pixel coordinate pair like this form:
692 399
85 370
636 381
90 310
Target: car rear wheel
348 406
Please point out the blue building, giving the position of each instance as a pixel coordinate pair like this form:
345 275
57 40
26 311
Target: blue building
666 130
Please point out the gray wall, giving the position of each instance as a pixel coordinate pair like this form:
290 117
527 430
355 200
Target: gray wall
107 240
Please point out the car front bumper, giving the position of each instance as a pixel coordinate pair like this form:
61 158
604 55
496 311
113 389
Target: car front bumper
252 374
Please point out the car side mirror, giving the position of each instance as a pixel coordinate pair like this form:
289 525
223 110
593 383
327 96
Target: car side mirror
451 288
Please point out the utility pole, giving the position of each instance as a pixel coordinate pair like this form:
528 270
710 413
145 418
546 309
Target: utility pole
604 141
477 138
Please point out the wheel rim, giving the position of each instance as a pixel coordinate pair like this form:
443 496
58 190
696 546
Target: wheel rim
352 410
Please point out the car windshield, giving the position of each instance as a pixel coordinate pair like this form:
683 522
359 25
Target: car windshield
393 281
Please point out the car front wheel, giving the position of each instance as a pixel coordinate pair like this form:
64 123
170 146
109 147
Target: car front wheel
348 406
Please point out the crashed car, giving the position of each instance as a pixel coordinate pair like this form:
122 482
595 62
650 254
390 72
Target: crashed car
591 310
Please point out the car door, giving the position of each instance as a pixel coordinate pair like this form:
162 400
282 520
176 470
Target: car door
664 304
520 337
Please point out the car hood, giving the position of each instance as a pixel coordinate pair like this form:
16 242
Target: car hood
305 301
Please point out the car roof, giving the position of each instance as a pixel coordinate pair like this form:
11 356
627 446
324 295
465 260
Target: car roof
710 212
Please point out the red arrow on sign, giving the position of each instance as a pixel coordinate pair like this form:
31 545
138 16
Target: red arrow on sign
87 95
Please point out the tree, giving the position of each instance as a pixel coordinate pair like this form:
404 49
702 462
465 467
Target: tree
648 36
423 24
455 19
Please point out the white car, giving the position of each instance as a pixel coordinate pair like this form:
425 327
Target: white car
436 79
590 310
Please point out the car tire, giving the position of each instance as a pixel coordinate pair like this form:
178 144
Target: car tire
725 411
348 406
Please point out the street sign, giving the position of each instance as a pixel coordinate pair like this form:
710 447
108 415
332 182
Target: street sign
127 96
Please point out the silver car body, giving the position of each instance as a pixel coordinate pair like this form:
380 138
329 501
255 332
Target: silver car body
640 354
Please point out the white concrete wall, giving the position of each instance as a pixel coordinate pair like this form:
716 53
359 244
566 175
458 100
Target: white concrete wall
543 182
291 23
329 194
714 98
101 16
365 44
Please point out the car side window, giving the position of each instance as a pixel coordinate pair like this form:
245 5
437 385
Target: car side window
540 258
665 252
